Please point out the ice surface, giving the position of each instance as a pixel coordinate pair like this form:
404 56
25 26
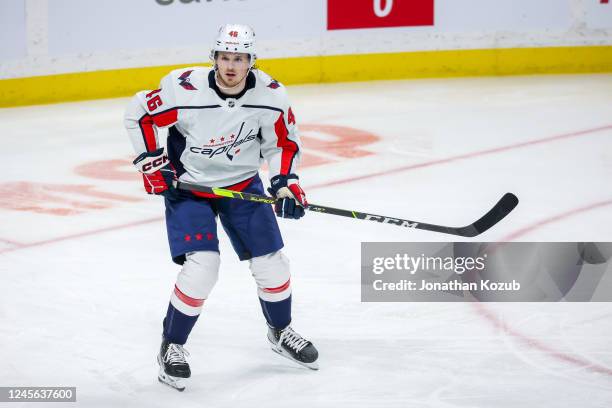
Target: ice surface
85 274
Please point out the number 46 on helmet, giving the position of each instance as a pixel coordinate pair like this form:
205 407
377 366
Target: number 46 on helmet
235 38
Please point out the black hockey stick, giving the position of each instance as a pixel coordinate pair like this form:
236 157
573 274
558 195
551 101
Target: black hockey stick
503 207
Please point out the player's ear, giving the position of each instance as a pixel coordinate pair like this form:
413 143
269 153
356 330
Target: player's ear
213 58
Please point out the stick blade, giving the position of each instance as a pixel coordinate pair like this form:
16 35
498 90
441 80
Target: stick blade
499 211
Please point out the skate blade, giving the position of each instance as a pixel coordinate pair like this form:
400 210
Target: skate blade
174 382
313 366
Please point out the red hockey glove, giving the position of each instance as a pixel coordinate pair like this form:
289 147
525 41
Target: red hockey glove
157 173
291 198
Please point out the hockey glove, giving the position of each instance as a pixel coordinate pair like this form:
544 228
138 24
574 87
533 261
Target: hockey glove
157 173
291 198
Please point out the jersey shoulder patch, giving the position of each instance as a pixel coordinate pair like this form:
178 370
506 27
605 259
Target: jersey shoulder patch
268 92
189 78
185 81
268 81
274 84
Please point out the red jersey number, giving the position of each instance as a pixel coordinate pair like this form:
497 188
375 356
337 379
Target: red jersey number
155 102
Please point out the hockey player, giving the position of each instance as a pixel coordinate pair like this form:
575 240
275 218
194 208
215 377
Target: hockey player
223 123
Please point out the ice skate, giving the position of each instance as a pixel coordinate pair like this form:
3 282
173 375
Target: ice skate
291 345
173 368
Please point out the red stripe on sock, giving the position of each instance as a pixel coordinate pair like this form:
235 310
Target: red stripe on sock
281 288
186 299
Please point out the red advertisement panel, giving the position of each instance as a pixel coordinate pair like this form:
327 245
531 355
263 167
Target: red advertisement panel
346 14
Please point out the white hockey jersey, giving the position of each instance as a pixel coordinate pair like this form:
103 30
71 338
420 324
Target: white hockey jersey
217 140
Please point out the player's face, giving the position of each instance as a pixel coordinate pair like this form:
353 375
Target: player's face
233 67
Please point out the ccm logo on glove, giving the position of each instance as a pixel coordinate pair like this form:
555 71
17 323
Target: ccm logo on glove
157 173
152 164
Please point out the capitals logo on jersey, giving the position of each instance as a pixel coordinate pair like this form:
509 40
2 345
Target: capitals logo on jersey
185 82
274 84
225 144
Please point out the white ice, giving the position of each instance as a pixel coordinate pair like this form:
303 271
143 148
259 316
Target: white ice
85 279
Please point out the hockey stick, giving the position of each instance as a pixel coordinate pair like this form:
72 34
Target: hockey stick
503 207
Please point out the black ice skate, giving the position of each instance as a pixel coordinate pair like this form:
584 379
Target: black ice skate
173 367
291 345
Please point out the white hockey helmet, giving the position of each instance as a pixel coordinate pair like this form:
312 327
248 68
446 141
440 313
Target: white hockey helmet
235 38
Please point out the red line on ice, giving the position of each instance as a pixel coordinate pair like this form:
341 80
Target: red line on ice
525 339
538 224
81 234
538 345
467 156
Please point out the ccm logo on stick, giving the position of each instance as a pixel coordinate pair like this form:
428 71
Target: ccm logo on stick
387 220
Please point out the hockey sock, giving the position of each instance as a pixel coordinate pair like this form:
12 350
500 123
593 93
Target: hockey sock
178 325
277 314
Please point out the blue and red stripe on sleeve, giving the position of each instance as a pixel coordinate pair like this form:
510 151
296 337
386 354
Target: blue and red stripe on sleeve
147 121
288 146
